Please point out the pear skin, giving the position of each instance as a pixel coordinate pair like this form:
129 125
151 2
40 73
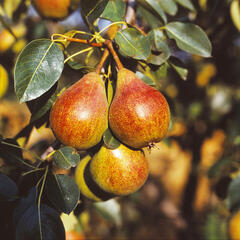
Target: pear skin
119 171
78 118
55 9
139 115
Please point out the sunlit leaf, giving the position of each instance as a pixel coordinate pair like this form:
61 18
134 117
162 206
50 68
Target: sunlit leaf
133 44
3 81
179 68
155 7
114 10
37 69
190 38
146 79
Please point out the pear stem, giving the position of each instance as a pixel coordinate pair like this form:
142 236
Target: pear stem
102 61
108 43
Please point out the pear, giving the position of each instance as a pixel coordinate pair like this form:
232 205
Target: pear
78 118
119 171
139 115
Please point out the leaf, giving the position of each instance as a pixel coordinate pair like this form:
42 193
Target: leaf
133 44
155 7
37 69
110 210
63 192
114 10
190 38
51 224
24 204
169 6
159 46
110 141
66 157
8 188
38 107
93 9
233 199
11 153
146 79
186 3
179 69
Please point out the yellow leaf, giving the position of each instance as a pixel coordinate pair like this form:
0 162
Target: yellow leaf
3 81
10 6
235 13
69 221
204 76
203 4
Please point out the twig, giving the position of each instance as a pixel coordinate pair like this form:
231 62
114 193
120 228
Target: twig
102 61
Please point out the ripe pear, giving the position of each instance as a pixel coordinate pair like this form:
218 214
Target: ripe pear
55 9
78 118
139 115
119 171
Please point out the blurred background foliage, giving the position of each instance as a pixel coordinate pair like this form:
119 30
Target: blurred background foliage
185 196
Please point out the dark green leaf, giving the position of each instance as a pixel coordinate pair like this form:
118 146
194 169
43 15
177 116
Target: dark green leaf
11 153
93 9
114 10
63 192
109 140
66 157
186 3
37 69
159 46
146 79
233 199
148 18
155 7
169 6
8 188
178 67
133 44
24 203
51 225
40 106
190 38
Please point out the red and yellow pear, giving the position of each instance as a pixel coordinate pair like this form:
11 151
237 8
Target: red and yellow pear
139 115
119 171
78 118
55 9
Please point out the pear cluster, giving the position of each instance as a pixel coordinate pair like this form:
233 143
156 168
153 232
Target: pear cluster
138 117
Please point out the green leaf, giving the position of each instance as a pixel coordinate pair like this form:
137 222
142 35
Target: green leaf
190 38
186 3
155 7
37 69
146 79
237 140
109 140
93 9
159 46
179 69
133 44
63 192
66 157
233 199
114 10
169 6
